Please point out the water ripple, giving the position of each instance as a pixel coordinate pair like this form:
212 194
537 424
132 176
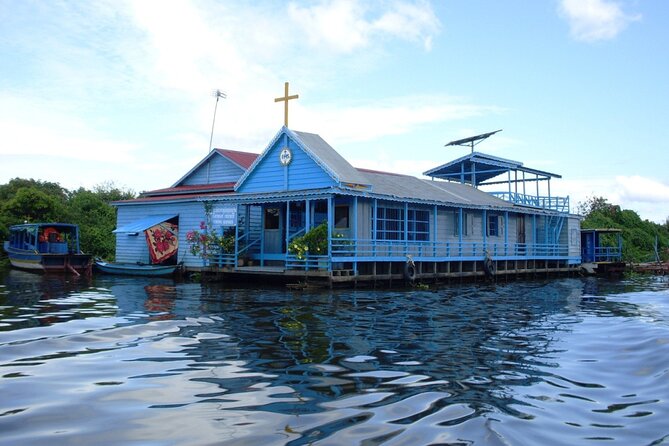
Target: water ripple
117 360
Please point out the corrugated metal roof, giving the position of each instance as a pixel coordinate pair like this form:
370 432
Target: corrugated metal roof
143 224
412 188
330 158
485 168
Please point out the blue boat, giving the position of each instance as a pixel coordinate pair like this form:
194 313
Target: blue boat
135 269
46 247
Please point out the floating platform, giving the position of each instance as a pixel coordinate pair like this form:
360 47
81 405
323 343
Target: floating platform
660 269
390 273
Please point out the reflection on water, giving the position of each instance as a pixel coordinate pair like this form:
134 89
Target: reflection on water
149 361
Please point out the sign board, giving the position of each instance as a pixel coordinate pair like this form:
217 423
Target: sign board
285 157
225 215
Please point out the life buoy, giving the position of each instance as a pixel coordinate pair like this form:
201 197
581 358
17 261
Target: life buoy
48 232
410 270
489 267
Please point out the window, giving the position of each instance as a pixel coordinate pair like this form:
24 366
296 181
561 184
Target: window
456 223
341 217
272 218
467 223
389 223
296 215
574 237
494 226
418 222
320 212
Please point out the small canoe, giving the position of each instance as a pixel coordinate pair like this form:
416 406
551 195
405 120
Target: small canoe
135 269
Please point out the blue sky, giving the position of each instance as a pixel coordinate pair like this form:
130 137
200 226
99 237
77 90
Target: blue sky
122 91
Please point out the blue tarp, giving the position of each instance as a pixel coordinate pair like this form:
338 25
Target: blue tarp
143 224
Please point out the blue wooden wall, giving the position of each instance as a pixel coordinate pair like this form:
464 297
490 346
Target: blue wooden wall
131 249
221 170
269 175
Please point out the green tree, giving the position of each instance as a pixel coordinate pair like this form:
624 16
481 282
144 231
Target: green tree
91 210
31 200
38 201
30 204
7 191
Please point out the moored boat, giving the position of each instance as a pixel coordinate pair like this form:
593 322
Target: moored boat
135 269
46 247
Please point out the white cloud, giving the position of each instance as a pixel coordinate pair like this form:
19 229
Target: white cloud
129 83
642 190
345 25
35 127
592 20
648 197
395 116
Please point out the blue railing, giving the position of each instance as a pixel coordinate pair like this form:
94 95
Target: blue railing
608 254
349 250
559 204
308 262
353 250
223 259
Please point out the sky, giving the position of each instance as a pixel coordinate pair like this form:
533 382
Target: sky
121 91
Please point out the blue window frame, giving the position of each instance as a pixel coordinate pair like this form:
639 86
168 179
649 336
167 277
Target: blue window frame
418 225
389 223
467 223
494 228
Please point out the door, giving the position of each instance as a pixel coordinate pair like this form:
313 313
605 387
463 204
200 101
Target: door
273 237
587 246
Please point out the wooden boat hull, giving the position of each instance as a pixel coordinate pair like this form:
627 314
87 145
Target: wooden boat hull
132 269
56 263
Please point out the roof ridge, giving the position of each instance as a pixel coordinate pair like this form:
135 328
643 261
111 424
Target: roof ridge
432 183
235 150
382 172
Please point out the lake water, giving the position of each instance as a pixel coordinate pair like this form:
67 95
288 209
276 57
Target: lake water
110 361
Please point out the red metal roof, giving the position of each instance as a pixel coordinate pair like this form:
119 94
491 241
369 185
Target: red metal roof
244 159
145 199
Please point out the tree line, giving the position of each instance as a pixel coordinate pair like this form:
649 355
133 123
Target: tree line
35 201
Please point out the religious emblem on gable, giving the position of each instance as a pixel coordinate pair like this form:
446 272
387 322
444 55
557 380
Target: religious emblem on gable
285 157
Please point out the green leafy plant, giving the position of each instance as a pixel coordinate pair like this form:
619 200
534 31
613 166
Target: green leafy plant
314 242
205 241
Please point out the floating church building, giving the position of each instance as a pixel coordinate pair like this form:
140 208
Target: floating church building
300 210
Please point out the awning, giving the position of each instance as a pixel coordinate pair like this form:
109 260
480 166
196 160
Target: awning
143 224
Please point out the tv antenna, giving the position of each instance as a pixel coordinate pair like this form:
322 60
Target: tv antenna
472 140
218 94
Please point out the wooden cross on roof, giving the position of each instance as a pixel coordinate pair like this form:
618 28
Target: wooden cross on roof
285 99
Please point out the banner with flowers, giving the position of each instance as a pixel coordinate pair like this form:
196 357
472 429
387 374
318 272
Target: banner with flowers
162 241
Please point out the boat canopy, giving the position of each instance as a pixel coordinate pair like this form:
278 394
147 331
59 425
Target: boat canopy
143 224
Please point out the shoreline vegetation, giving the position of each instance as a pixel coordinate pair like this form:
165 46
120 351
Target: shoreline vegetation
29 200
